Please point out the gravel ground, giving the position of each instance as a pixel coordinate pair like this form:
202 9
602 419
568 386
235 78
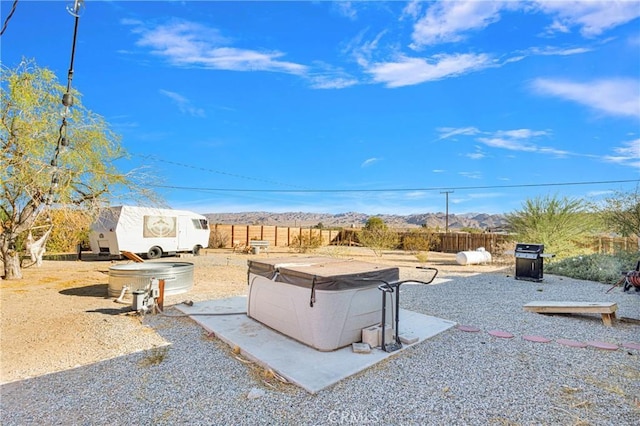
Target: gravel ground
455 378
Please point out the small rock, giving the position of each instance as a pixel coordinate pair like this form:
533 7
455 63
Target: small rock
256 393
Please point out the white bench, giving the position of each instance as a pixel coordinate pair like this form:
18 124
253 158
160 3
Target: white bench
606 309
258 245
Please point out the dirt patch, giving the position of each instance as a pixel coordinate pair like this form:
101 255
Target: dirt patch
59 316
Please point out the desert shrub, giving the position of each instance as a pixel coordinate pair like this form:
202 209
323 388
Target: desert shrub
604 268
336 251
304 243
563 225
377 236
502 253
422 257
218 239
420 240
622 213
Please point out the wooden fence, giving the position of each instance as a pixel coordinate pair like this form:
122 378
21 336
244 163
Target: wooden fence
614 244
496 243
229 236
455 242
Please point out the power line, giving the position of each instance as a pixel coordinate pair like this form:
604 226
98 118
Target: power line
204 169
460 188
11 12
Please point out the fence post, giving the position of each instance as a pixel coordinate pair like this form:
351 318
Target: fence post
233 228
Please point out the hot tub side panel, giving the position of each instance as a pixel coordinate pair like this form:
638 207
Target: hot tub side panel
335 320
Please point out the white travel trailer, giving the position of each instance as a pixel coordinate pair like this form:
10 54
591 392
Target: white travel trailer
148 231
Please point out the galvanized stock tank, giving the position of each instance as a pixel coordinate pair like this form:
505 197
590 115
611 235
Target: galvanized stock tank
177 276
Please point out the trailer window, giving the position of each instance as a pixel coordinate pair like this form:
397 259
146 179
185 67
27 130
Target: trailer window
200 223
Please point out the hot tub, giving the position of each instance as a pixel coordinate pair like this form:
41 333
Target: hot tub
322 302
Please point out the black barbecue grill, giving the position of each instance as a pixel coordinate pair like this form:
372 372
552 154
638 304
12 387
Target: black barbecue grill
529 261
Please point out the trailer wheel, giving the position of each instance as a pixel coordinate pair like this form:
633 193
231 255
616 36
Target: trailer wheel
154 252
196 250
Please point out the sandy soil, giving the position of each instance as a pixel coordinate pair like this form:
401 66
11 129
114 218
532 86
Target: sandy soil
59 316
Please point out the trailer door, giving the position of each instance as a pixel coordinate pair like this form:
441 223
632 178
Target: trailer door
185 233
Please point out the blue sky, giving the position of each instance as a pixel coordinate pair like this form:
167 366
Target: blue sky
371 106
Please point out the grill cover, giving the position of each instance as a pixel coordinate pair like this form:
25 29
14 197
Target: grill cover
529 251
323 273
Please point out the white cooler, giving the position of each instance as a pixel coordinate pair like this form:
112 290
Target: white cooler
322 302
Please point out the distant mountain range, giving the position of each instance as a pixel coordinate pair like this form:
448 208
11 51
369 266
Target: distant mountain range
482 221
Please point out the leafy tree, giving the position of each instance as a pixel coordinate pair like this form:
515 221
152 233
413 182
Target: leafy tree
377 236
51 156
375 222
563 225
622 213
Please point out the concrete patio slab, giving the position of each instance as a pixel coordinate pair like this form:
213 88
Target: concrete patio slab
298 363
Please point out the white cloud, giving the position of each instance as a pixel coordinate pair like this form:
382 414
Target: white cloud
627 155
416 195
447 132
598 193
412 9
362 51
520 140
592 17
512 140
558 51
616 96
471 175
406 71
346 9
329 77
369 161
522 133
510 144
484 195
184 105
331 82
186 43
447 21
475 155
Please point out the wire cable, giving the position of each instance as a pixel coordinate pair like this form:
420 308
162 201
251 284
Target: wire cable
205 169
435 188
11 12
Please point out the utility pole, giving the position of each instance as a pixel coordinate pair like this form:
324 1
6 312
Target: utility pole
446 217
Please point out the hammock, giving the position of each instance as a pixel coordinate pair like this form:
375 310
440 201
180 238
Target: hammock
37 248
